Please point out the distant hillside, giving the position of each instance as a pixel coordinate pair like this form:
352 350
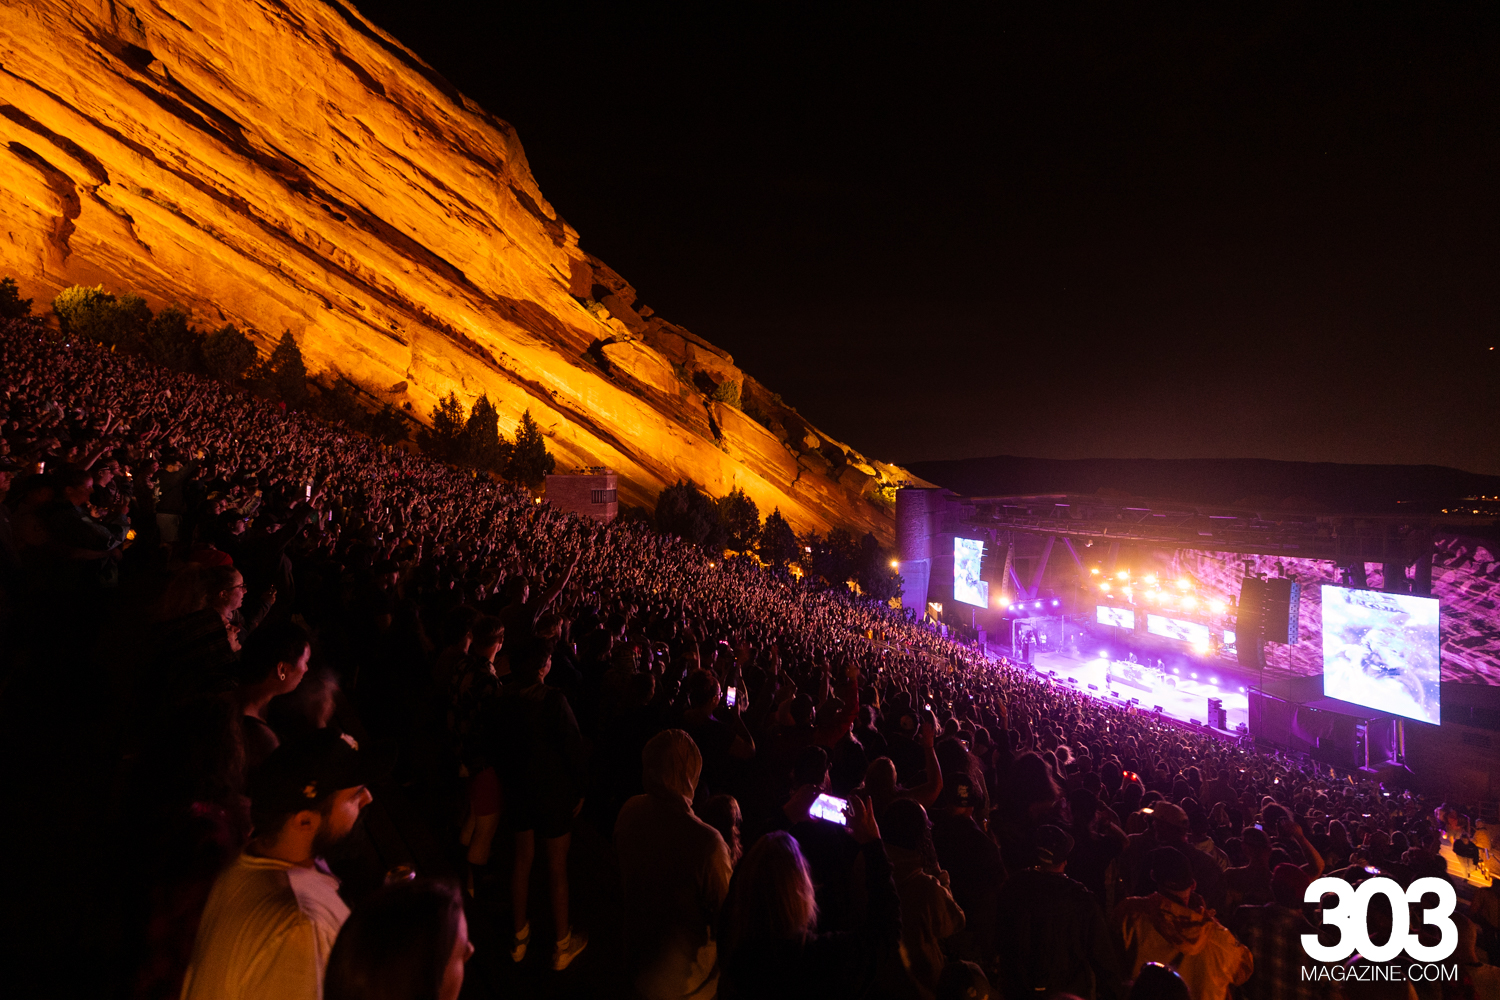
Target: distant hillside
1260 482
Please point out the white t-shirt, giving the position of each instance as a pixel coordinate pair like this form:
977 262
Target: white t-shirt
266 932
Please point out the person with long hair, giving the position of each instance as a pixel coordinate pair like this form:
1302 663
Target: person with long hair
198 638
768 943
272 664
407 941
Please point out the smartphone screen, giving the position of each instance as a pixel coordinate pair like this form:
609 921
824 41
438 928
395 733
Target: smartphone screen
829 807
729 694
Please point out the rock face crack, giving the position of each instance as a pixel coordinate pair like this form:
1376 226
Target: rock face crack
64 190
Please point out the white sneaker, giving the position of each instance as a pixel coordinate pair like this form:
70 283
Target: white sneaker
519 942
568 949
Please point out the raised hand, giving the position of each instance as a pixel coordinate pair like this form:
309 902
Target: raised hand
862 825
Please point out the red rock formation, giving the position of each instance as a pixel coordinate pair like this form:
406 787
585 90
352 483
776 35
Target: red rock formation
285 164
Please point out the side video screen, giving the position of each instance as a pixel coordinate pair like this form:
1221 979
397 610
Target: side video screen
1381 651
967 587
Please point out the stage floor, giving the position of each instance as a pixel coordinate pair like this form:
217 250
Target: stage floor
1185 701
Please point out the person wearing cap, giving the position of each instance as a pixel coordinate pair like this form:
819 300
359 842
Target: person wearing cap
971 858
675 872
1169 828
828 847
272 916
1051 933
1273 933
1173 926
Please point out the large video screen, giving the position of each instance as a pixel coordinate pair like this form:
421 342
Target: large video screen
1119 617
967 587
1381 651
1176 628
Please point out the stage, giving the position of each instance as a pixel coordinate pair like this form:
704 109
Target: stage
1180 695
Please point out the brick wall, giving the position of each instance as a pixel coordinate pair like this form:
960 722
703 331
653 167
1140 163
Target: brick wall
590 494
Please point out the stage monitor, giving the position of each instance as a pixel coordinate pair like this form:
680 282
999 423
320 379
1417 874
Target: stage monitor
1381 651
1119 617
1175 628
967 587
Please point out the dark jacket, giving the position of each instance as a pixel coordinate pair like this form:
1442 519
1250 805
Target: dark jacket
1052 939
540 752
973 863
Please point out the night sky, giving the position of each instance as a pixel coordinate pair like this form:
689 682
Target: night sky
1051 230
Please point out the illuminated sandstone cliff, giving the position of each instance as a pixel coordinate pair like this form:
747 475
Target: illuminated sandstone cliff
284 164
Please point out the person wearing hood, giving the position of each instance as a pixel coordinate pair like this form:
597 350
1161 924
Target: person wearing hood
1174 927
676 870
928 913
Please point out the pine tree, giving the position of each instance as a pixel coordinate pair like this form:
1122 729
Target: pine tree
285 373
12 306
483 447
529 463
388 426
873 571
172 342
444 440
778 542
228 354
834 557
686 511
741 519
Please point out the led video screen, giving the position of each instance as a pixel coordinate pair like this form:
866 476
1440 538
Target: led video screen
967 587
1120 617
1176 628
1381 651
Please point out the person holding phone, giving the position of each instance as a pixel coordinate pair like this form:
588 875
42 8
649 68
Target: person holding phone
719 732
768 945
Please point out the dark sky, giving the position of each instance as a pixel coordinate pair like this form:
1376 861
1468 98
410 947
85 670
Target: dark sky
1052 230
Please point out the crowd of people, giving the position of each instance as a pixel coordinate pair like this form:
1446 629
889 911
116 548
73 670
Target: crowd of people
803 793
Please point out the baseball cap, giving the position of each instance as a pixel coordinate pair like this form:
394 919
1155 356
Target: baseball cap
1167 812
1170 869
301 772
904 824
1053 845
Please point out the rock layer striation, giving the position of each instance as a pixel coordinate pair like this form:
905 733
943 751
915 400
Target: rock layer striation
286 165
